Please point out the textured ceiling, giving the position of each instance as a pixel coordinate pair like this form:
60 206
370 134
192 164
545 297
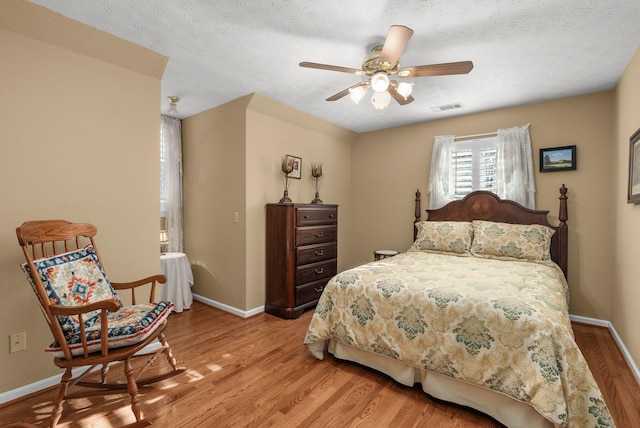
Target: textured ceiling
523 52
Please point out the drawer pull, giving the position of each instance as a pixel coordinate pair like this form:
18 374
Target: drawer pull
319 253
331 216
319 271
319 234
305 216
318 290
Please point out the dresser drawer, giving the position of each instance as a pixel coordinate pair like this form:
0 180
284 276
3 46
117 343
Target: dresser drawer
316 235
316 271
313 216
316 253
309 292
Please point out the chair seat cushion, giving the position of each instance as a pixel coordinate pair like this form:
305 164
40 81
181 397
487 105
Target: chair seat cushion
127 326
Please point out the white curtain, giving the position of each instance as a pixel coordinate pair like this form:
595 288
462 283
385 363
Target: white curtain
514 166
441 175
171 179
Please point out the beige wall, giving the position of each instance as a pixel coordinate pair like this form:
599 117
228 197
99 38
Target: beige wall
214 151
274 130
232 159
389 165
625 219
79 142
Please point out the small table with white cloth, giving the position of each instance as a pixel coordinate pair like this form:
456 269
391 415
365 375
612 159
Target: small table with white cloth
177 289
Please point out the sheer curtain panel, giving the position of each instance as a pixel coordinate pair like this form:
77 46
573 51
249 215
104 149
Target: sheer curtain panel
441 175
514 166
171 181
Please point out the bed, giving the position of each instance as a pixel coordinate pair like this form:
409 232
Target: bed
476 311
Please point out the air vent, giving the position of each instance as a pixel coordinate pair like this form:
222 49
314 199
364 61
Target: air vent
446 107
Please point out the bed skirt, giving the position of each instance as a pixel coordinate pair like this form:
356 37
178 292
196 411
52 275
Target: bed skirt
504 409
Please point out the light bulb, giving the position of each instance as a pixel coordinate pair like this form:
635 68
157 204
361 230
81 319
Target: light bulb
357 93
381 100
380 81
405 89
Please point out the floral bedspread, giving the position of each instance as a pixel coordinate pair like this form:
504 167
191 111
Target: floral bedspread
503 325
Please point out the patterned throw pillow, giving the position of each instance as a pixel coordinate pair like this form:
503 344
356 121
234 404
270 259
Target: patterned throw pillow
72 279
511 241
443 236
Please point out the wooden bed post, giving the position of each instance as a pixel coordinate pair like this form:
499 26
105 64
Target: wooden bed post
416 214
563 233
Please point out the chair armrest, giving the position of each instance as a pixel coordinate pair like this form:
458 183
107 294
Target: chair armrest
111 305
127 285
133 285
103 306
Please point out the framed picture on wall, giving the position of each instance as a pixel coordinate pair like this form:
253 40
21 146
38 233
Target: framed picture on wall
558 159
297 167
633 195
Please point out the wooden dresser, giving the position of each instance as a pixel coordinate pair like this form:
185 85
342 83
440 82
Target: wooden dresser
302 251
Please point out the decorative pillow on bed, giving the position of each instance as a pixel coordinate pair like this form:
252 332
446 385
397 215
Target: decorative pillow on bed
443 236
511 241
71 279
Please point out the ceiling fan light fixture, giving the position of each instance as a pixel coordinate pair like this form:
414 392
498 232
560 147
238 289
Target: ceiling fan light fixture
383 63
381 100
357 93
380 81
405 89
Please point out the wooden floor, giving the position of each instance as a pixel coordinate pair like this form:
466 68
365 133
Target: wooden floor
256 373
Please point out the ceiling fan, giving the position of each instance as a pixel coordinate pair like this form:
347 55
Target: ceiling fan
383 62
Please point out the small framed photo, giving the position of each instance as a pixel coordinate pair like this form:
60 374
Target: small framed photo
297 167
633 196
558 159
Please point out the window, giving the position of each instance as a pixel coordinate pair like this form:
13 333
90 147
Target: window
474 166
502 164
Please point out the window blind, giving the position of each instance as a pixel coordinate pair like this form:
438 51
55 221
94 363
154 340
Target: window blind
474 166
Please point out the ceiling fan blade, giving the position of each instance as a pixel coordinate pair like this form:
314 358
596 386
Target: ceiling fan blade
346 91
331 67
399 98
397 39
462 67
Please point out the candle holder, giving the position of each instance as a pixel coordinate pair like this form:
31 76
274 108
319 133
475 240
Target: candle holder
164 241
316 173
287 167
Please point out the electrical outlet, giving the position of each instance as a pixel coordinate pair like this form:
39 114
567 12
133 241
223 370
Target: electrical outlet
17 342
236 217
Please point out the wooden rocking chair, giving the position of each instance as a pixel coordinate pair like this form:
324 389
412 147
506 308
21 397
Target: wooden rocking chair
89 323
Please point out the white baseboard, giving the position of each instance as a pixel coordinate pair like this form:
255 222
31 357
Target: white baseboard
39 385
227 308
614 333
